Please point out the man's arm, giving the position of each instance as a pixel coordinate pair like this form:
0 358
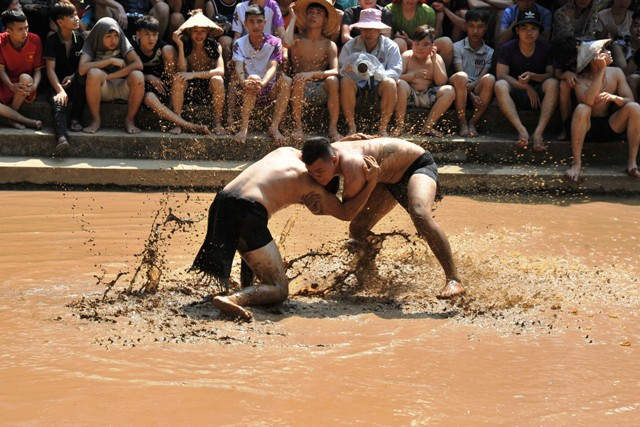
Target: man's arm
502 73
321 202
133 63
587 93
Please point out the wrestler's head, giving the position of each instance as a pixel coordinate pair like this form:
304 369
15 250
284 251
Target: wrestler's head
320 158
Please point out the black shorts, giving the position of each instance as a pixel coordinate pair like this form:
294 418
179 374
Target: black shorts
601 131
234 224
424 165
164 99
521 97
198 92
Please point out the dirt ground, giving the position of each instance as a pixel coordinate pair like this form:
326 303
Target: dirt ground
547 334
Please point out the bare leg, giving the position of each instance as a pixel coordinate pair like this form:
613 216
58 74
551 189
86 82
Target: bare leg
282 91
422 192
485 90
444 98
508 108
388 91
332 87
564 105
161 12
445 50
135 80
580 125
402 45
634 84
404 90
177 99
267 265
459 82
380 203
297 105
217 92
248 102
18 100
95 79
549 104
348 89
11 114
232 104
152 101
629 117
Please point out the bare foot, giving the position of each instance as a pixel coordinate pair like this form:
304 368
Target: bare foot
297 135
16 125
352 130
473 132
562 136
218 130
463 130
93 127
429 131
633 172
130 127
276 135
383 132
523 140
452 289
226 306
241 136
573 174
176 130
538 144
75 126
334 135
37 125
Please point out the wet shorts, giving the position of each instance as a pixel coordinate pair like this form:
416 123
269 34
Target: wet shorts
198 92
234 224
521 98
423 165
114 89
314 94
423 98
164 99
601 131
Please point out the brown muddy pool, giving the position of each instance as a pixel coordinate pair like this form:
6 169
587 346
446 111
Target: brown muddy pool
548 334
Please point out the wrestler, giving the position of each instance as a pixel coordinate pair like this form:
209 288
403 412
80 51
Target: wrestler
408 176
315 63
238 221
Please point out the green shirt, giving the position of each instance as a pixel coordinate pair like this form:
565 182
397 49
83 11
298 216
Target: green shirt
425 15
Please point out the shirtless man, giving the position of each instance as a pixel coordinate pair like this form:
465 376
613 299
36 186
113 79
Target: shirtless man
423 82
315 64
238 221
597 88
408 175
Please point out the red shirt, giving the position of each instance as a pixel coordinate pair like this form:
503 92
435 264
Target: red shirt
28 59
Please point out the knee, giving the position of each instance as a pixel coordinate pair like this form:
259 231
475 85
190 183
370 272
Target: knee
403 88
444 44
550 84
95 75
225 42
135 78
25 79
216 82
501 87
459 80
581 111
347 85
161 10
176 19
402 45
634 108
488 79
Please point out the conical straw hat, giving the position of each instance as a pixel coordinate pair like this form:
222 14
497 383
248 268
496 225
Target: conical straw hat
201 21
332 23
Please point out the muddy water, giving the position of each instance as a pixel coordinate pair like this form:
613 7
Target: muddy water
549 333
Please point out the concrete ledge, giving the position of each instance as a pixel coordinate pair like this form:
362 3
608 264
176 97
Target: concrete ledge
463 178
112 143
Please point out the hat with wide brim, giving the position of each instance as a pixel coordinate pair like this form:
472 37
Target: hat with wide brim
198 20
531 16
587 51
370 19
331 24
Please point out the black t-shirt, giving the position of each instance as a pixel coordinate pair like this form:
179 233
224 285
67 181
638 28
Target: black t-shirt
55 49
225 9
153 64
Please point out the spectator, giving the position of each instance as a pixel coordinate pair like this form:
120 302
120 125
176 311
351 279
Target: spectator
565 51
127 13
159 69
615 23
472 80
274 24
61 57
631 70
423 82
20 67
257 58
370 41
200 69
8 5
113 71
577 18
599 88
525 81
510 16
352 15
315 63
408 15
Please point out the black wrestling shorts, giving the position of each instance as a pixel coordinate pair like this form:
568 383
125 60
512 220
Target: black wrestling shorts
234 224
422 165
601 131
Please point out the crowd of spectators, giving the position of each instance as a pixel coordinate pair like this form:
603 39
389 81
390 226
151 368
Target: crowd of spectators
580 57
